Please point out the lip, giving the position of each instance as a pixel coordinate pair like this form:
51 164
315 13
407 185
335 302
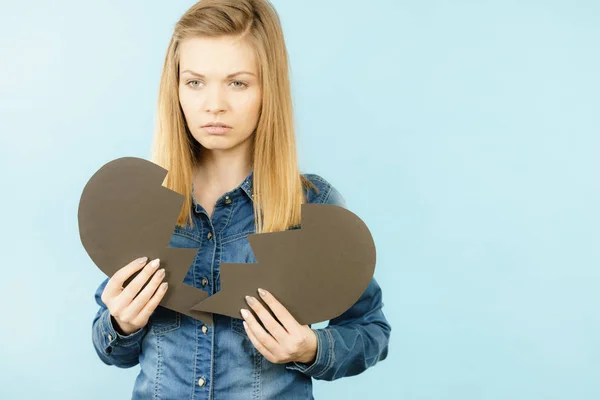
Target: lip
216 130
216 123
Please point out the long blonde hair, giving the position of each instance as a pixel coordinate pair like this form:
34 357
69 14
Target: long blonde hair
277 181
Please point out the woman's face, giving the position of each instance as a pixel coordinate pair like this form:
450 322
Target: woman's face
209 92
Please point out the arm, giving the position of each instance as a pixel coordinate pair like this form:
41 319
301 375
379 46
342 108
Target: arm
112 347
353 341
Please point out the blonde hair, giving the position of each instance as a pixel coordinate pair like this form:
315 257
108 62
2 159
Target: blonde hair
277 181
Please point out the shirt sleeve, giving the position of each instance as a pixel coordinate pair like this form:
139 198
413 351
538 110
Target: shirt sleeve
353 341
112 347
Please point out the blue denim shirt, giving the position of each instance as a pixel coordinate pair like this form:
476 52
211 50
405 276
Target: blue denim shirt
182 358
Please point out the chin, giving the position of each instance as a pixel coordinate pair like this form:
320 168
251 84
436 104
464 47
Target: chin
218 144
222 142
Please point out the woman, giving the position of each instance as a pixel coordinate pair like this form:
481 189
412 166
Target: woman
225 134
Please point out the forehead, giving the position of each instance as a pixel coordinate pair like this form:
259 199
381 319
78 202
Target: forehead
216 56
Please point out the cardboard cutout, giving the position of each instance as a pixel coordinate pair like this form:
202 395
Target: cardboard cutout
317 272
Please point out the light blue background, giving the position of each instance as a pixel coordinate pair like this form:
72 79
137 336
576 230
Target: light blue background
466 135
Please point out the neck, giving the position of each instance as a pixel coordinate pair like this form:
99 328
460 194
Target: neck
221 171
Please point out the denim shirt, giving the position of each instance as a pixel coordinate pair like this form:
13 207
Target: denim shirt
182 358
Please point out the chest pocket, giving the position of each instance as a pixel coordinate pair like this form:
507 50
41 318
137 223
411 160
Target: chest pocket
164 320
237 249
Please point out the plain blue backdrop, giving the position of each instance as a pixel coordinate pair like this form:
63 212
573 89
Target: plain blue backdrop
465 134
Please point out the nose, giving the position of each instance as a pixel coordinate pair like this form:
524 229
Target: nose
215 101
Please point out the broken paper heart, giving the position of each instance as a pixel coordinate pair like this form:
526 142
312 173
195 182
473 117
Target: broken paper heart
125 213
317 272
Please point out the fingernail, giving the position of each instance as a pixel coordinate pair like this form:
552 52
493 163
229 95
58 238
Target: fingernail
154 263
262 292
245 324
161 272
250 300
164 285
142 260
244 313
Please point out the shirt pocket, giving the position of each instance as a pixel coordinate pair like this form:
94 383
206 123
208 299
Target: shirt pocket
237 326
237 249
164 320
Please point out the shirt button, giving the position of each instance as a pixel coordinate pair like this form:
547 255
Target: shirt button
201 382
209 236
110 337
204 281
204 329
227 200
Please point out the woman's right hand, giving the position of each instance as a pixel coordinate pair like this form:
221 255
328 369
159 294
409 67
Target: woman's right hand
129 309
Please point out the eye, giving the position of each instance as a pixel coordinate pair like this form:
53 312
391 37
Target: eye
244 84
188 83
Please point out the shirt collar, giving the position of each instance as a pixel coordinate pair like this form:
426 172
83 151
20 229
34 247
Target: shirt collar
246 186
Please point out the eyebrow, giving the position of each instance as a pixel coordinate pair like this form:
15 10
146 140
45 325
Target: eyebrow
228 76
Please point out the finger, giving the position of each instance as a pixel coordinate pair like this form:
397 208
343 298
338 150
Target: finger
259 346
263 336
282 314
133 288
267 319
115 283
145 313
141 299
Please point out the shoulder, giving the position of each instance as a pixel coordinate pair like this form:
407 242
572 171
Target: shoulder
318 190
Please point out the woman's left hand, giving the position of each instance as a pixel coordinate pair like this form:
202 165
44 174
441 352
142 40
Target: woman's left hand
281 344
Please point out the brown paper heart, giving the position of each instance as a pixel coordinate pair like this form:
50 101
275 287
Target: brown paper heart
317 272
125 213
